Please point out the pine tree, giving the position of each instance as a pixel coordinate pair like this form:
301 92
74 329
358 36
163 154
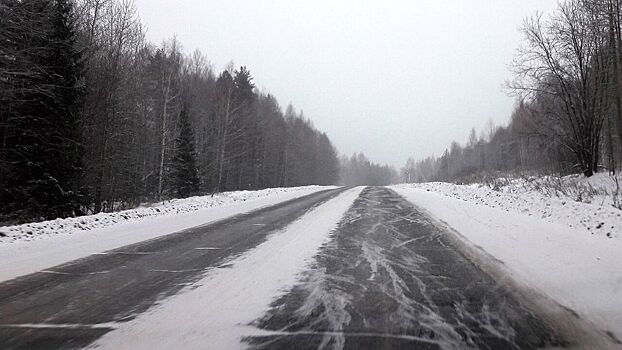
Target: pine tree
184 174
43 137
68 75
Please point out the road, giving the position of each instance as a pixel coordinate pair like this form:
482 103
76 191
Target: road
392 280
388 279
54 309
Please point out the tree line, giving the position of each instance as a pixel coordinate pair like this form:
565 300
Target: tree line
359 171
95 118
568 116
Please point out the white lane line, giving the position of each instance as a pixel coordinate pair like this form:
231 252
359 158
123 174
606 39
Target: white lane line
124 253
175 271
207 248
55 272
76 274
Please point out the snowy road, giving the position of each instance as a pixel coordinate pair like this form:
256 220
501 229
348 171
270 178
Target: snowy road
391 280
377 275
71 305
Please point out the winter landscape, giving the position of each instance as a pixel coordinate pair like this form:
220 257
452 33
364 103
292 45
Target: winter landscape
453 182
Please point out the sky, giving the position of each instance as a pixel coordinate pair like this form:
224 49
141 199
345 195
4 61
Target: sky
391 79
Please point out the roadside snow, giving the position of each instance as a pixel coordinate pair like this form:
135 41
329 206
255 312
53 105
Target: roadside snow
517 196
44 229
540 241
62 240
600 189
228 300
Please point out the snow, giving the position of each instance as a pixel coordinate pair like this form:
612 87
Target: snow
544 243
58 241
228 300
547 199
38 230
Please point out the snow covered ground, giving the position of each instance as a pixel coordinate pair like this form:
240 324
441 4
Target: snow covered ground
568 251
44 229
542 198
32 247
227 300
592 203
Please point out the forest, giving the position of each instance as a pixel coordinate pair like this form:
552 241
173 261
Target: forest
568 114
95 118
360 171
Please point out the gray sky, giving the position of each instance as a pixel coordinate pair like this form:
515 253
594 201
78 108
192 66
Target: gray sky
392 79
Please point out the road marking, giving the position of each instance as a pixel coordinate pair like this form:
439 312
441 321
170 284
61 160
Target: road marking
124 253
176 271
207 248
70 273
56 272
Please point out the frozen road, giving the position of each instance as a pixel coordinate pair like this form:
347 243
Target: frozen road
387 279
391 280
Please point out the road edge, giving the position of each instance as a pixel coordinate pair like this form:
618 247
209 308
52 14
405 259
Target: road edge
578 332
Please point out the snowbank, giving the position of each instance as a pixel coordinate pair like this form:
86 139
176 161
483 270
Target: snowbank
228 300
543 242
543 198
44 229
24 253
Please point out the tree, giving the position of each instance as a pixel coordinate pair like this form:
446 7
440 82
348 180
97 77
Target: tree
562 69
167 68
117 112
84 84
184 174
41 131
233 101
359 171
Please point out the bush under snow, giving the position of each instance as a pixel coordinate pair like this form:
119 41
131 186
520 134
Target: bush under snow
591 203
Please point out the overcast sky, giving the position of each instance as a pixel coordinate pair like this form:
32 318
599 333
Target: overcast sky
391 79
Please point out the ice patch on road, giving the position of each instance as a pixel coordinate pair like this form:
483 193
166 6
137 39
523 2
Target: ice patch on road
216 312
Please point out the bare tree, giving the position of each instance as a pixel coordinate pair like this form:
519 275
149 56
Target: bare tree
562 70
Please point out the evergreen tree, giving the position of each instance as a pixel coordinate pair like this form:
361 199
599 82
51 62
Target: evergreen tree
184 173
68 75
124 125
43 137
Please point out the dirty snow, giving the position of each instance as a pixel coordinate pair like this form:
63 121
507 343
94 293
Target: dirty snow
228 300
543 242
62 240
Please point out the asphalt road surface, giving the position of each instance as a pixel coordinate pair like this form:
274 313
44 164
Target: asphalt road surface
55 309
389 279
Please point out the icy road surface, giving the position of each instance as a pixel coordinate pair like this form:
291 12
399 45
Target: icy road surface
391 280
338 269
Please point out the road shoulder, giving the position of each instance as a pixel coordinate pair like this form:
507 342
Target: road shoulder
552 269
